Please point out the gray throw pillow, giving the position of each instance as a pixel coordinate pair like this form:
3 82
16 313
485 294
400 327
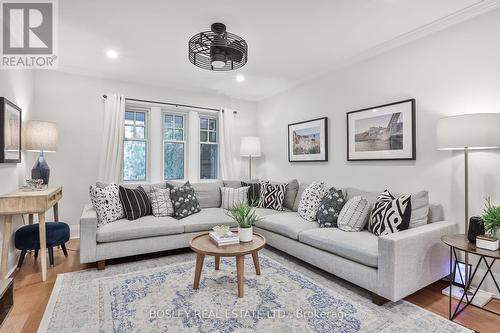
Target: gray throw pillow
329 208
291 193
354 214
184 200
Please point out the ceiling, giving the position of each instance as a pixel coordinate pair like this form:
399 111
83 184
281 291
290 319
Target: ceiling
289 41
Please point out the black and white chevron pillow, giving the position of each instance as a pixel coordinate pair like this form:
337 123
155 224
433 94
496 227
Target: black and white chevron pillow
390 215
272 195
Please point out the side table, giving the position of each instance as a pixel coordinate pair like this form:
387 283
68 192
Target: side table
460 243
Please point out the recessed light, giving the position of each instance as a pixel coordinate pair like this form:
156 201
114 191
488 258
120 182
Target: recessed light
240 78
112 54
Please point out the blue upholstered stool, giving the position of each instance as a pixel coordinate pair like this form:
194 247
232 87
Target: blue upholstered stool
26 239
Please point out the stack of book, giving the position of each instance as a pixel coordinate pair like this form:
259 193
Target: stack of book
225 240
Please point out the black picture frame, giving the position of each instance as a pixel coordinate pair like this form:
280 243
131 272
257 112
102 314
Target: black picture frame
5 107
412 155
324 124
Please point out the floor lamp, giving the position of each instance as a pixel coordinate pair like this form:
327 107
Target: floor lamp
250 147
468 132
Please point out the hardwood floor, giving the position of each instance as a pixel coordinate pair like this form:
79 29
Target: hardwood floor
31 295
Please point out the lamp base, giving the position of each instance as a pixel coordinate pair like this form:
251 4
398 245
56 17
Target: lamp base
41 170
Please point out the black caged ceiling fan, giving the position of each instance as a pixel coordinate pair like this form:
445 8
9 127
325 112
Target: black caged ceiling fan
218 50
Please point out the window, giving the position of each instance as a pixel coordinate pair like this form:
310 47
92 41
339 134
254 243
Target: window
173 146
208 148
135 146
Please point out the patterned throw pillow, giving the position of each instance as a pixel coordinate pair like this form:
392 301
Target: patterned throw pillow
329 208
135 202
272 195
106 202
160 202
390 215
184 200
233 196
253 192
311 199
354 214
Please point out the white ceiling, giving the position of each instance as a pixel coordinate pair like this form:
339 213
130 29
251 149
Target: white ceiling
289 40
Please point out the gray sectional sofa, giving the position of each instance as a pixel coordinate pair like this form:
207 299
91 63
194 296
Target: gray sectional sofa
391 267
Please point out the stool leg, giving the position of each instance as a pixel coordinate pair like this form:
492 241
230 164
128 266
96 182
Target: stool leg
21 259
36 254
63 246
51 256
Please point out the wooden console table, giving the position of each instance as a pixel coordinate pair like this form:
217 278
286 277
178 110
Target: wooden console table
28 202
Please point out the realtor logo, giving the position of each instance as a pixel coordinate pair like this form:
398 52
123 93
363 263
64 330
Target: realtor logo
29 34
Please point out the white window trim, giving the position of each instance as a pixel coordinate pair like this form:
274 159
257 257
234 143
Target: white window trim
147 139
184 116
210 116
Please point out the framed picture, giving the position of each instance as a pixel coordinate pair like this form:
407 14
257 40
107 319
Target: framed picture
308 141
10 132
385 132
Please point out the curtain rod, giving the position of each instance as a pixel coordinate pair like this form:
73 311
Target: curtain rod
171 104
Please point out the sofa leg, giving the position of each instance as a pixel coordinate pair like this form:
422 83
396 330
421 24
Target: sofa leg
379 300
101 264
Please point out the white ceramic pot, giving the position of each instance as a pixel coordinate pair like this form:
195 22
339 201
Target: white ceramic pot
245 234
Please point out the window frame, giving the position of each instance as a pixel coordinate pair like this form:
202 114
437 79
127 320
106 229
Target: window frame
147 140
216 143
165 112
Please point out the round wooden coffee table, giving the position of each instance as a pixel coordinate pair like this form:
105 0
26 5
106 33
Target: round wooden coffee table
203 246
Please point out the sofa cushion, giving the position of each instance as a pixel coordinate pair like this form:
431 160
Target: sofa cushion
360 246
207 193
419 204
300 191
147 226
206 220
288 224
261 212
292 188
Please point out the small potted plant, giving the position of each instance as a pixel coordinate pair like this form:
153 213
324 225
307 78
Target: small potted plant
245 215
491 219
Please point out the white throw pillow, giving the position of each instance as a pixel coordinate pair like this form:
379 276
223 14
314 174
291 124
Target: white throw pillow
106 202
161 203
311 199
354 214
234 196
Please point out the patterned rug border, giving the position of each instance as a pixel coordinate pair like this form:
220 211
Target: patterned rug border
44 324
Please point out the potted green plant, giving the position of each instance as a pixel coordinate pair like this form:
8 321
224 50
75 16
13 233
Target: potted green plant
245 215
491 219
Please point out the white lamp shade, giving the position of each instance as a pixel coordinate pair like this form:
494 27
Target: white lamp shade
472 131
250 146
40 135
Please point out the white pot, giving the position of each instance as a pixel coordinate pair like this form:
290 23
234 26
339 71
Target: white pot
245 234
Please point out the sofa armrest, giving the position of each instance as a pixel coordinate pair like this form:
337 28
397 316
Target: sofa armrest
88 235
412 259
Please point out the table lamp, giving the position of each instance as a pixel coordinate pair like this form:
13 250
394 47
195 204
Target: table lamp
468 132
40 136
250 147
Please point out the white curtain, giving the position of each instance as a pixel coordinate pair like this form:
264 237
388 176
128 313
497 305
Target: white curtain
110 165
226 123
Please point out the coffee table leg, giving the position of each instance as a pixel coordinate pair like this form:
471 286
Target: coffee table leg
255 257
240 264
217 263
197 272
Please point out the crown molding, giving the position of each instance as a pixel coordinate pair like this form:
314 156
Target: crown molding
462 15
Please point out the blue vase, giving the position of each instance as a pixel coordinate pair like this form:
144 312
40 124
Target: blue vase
41 170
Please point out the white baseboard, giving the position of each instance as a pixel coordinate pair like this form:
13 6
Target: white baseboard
74 231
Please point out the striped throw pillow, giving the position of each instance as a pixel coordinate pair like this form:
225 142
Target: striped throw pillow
135 202
354 215
234 196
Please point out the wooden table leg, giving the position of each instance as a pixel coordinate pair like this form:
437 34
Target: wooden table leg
43 244
255 257
7 229
56 212
240 267
217 262
30 218
197 271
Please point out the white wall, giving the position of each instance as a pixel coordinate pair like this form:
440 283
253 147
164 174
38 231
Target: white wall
75 103
451 72
17 87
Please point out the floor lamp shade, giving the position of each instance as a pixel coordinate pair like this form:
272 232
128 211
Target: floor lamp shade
40 136
250 147
472 131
